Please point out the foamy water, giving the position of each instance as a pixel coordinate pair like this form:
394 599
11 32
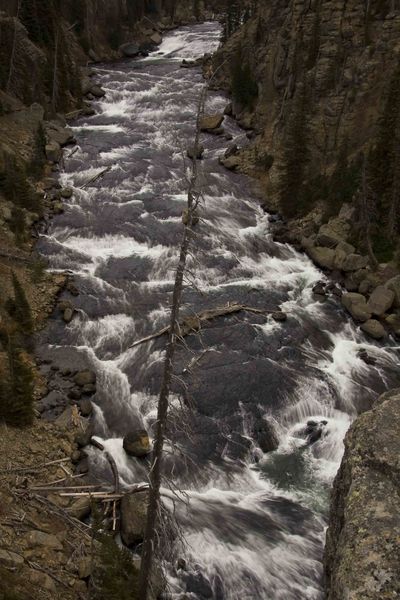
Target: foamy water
255 522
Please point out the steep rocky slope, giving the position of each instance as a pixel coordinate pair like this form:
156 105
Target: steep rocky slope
362 555
318 86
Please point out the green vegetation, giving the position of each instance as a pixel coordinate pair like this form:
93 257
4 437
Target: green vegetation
115 576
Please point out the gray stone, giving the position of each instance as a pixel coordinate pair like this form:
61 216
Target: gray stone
323 257
354 262
66 193
211 122
131 49
133 517
84 377
97 91
356 305
156 38
230 163
39 538
85 407
327 240
68 315
374 329
53 151
393 322
137 443
59 134
85 567
381 300
80 508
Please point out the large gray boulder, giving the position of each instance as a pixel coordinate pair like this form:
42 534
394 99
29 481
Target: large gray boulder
354 262
362 554
133 517
57 133
356 305
381 300
211 122
323 257
137 443
374 329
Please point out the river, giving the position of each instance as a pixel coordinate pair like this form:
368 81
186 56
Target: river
255 522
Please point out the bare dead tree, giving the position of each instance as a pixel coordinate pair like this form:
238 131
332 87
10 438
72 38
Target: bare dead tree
155 476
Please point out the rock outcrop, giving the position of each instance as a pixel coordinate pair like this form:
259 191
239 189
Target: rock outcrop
362 556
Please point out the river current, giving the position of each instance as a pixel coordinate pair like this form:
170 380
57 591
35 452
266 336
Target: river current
255 521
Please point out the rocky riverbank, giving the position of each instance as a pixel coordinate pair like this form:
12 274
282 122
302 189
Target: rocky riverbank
362 555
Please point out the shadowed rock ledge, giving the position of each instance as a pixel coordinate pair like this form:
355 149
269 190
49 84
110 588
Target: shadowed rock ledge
362 556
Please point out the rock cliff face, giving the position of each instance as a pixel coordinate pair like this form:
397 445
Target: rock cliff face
319 84
362 558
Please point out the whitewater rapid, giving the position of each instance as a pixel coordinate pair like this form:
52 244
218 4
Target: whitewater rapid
255 522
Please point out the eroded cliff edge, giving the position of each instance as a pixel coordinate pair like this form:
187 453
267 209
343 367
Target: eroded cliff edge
362 556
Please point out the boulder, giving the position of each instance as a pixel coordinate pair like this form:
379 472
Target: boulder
85 407
394 285
362 553
211 122
279 316
381 300
314 431
133 517
66 193
374 329
156 38
39 580
195 152
354 262
68 315
89 389
327 240
53 151
57 133
84 377
84 435
39 538
130 50
356 305
342 250
80 508
231 163
137 443
323 257
97 91
58 208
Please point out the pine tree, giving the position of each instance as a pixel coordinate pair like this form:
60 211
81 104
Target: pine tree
17 388
19 308
296 157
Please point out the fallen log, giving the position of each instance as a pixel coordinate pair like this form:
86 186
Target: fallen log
95 177
193 323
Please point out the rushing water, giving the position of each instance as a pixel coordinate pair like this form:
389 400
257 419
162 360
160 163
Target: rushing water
255 522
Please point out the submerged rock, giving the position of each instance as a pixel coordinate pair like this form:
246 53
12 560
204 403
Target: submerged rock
362 554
